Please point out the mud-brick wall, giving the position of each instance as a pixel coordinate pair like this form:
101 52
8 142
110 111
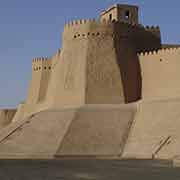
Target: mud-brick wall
160 74
67 83
6 117
41 71
129 39
88 71
127 61
103 81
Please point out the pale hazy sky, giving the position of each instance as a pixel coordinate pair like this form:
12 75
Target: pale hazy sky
32 28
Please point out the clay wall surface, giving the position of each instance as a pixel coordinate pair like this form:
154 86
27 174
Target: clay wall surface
128 40
90 130
37 98
155 130
98 130
41 71
67 84
146 38
127 61
103 78
6 117
87 44
160 74
99 57
20 113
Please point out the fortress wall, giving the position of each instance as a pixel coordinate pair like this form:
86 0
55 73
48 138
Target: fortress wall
20 113
155 130
70 83
33 92
6 117
67 84
146 38
128 61
55 58
160 74
154 30
46 73
41 70
103 83
127 40
100 57
35 102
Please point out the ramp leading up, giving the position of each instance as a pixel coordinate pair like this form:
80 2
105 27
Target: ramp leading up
93 130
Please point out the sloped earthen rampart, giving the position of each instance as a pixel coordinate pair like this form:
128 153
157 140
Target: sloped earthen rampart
155 130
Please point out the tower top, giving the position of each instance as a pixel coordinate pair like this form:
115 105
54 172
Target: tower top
121 12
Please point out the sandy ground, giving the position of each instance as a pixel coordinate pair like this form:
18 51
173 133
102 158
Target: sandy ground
87 170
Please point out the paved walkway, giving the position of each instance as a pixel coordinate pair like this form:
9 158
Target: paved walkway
87 170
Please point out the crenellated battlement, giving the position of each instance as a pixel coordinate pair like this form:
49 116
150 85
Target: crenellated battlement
152 28
40 59
58 52
164 50
96 21
40 63
81 22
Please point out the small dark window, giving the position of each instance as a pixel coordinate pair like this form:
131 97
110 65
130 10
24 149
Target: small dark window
161 60
93 34
49 67
74 36
83 35
98 33
88 33
44 67
127 15
110 17
39 68
79 35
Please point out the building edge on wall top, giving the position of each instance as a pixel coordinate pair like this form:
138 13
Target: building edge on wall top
41 59
148 53
152 27
98 21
